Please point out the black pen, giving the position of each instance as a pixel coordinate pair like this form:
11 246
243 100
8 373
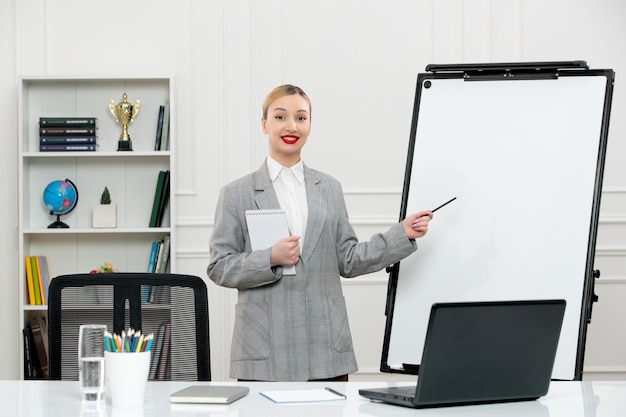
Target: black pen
446 203
335 392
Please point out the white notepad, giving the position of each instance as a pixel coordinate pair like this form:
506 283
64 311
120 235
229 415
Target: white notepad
266 227
303 396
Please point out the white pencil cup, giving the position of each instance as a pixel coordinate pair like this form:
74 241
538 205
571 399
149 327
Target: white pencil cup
127 374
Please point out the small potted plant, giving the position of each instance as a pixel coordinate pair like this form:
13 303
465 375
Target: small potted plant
104 293
105 267
105 213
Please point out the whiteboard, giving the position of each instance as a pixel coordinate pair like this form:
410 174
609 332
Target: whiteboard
524 159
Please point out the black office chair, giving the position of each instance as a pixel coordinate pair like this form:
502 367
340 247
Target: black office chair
174 307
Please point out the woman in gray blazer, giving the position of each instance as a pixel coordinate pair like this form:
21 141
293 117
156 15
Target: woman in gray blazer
295 327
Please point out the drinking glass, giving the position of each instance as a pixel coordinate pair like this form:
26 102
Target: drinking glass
91 361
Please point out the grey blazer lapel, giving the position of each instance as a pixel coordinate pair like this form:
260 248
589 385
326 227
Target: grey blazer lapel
264 194
317 201
316 194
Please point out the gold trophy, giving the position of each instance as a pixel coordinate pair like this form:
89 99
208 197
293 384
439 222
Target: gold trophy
124 113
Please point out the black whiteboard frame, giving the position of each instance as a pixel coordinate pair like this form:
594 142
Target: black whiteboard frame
509 72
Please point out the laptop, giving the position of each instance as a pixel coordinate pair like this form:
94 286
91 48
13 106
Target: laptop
482 352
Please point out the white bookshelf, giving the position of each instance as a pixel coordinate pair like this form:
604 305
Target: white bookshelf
130 176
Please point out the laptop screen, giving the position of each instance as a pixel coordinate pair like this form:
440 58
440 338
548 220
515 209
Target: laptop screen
489 351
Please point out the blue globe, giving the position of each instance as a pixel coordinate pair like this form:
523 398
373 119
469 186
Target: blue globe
60 197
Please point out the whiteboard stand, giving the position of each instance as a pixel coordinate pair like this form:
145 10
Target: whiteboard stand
522 147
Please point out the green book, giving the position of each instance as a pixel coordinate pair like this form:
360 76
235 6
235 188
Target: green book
157 199
165 198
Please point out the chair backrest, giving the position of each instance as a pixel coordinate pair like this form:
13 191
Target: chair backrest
174 307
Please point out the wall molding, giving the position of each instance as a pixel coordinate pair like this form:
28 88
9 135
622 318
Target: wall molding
396 191
366 281
191 221
605 369
372 191
611 251
614 190
377 279
604 373
612 218
602 281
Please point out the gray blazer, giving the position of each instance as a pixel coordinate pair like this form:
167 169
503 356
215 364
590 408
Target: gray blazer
294 328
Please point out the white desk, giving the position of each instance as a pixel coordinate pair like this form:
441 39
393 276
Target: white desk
62 398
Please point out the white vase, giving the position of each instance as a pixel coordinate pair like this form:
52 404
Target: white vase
104 215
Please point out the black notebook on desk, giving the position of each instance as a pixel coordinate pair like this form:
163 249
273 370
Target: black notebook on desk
483 352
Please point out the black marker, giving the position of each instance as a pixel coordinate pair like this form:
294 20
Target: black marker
447 202
335 392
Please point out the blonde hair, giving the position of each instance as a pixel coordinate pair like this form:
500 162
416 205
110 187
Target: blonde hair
283 90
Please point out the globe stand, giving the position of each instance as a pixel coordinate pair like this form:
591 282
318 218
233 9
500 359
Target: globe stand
58 224
60 197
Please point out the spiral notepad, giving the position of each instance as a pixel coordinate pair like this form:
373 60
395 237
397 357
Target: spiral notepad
266 227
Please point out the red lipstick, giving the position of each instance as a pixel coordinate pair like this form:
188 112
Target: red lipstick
289 139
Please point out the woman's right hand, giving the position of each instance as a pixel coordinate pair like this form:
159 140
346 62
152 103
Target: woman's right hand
285 252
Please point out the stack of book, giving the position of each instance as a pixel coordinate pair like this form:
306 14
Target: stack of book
157 264
35 336
37 279
67 134
159 256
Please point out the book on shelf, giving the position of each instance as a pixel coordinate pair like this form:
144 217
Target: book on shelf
160 295
39 328
44 277
161 353
29 372
165 134
30 284
67 121
146 293
156 351
158 196
66 131
163 201
43 287
159 257
32 369
153 256
35 279
68 148
165 255
146 290
67 140
159 128
162 371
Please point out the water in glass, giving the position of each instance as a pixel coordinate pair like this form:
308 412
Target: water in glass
91 361
91 377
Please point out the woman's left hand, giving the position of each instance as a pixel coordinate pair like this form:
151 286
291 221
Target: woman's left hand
416 224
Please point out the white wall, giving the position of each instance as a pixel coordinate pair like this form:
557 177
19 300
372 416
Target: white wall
358 60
